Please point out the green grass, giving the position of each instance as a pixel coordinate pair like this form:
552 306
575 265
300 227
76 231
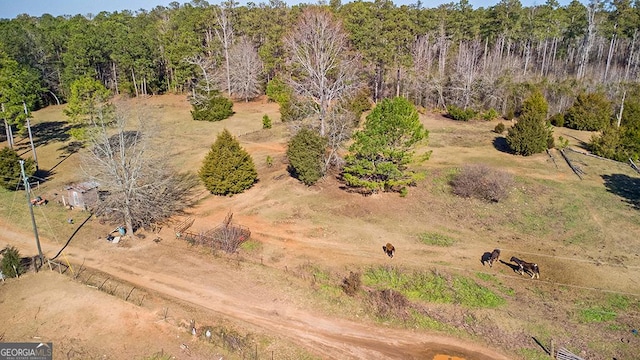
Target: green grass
496 283
471 294
433 287
436 239
596 314
533 354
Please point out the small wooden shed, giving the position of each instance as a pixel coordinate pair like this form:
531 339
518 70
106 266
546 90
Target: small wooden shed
81 195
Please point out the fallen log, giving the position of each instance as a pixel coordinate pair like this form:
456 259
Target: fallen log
634 166
576 170
552 158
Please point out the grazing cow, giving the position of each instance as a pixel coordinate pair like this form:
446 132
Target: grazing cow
524 266
389 249
495 255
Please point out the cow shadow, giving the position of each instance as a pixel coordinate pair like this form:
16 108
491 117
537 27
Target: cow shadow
513 267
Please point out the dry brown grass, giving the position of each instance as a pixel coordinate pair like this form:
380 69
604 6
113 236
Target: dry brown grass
583 233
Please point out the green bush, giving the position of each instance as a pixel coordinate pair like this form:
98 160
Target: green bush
227 169
306 153
10 264
490 115
278 91
215 108
266 122
510 115
360 103
460 114
590 112
10 168
557 120
499 128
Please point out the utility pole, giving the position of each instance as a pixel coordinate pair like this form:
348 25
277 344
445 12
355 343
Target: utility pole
33 219
33 148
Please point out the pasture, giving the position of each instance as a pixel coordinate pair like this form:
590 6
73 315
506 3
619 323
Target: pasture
583 234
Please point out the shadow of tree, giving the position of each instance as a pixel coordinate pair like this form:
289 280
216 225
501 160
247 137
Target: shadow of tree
500 143
624 186
47 132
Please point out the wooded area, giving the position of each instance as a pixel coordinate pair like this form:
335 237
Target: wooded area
453 54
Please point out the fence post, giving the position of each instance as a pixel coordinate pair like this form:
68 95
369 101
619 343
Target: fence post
553 352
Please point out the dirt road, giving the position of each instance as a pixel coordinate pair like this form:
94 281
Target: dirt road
238 294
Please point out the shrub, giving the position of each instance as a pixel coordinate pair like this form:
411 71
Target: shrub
499 128
213 108
10 172
10 264
589 112
457 113
278 91
227 169
360 103
510 115
482 182
557 120
352 283
490 115
306 153
266 122
389 303
269 161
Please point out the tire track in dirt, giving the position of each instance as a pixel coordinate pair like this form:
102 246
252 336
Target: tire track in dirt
239 298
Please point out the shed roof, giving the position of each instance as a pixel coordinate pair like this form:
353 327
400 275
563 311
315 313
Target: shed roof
82 187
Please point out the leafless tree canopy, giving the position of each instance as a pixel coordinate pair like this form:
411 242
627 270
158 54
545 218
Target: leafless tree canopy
245 70
323 69
138 189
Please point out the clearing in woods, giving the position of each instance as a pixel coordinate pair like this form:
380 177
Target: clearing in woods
280 296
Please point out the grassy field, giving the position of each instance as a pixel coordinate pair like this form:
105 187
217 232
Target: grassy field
584 234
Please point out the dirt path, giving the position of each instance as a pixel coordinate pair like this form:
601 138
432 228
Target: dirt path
244 297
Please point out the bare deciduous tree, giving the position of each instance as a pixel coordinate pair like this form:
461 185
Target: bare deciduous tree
225 36
138 189
246 67
323 68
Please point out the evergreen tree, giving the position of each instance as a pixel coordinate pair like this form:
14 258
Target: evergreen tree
306 152
383 149
531 134
622 143
227 169
591 112
10 168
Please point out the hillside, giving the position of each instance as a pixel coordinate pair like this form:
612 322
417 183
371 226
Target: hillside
283 288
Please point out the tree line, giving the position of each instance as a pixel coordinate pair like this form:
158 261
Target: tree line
470 62
450 54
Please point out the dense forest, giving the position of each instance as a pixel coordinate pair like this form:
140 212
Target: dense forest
483 59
